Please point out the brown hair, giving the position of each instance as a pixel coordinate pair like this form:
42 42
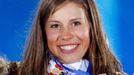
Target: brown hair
99 54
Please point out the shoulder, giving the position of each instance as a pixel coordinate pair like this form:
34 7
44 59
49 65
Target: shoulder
13 68
9 68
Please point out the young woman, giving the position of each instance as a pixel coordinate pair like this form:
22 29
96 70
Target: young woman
67 39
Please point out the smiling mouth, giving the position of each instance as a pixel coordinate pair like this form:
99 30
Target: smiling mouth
70 48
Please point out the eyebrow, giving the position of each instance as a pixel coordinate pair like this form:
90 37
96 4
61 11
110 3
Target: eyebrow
54 21
75 19
70 20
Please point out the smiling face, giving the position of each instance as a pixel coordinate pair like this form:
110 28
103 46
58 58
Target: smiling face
67 32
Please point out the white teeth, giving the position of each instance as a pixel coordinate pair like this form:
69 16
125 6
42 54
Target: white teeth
68 47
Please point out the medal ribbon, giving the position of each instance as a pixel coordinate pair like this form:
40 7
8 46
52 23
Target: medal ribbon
69 71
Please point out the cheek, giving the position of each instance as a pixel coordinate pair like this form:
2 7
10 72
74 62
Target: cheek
51 35
51 39
82 32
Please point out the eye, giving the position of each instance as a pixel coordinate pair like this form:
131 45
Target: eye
55 26
76 23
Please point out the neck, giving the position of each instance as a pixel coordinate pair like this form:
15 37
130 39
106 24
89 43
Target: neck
75 65
78 67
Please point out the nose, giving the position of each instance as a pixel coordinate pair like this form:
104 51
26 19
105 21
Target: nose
66 34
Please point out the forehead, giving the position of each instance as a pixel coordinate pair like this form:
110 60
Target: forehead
67 11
